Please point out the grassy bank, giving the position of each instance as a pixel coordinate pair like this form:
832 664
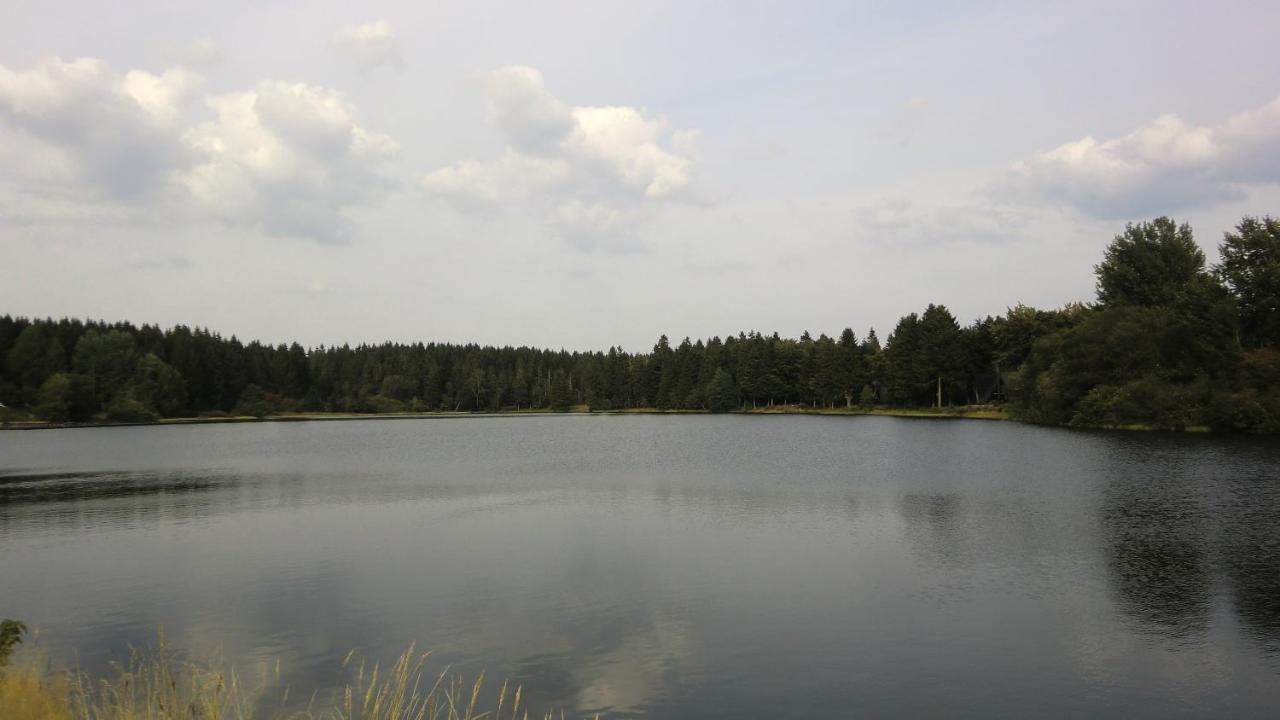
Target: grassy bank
983 412
972 412
157 685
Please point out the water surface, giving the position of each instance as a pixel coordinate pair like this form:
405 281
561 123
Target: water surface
674 566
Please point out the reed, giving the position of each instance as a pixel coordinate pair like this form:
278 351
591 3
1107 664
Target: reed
156 684
26 693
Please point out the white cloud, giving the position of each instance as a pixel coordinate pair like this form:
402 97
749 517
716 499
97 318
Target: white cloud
630 146
487 187
114 135
585 224
902 222
287 158
531 118
370 45
589 174
1164 166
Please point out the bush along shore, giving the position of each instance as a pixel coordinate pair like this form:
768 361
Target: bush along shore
1169 342
159 684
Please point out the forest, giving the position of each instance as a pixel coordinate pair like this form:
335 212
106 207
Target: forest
1169 342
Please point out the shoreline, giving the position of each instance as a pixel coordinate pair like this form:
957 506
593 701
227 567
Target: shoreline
954 413
988 413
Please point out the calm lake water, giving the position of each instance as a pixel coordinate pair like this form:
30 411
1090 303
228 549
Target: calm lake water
674 567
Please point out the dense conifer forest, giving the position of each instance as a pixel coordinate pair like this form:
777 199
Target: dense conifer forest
1169 343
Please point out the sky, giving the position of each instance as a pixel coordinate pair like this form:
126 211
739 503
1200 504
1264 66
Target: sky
585 175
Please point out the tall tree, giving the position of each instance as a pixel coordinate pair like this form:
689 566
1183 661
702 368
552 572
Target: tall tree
157 386
107 359
1150 264
906 370
27 359
1250 268
826 376
561 396
942 353
64 397
722 393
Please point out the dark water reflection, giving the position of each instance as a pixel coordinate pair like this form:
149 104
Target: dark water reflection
1251 555
1158 543
674 567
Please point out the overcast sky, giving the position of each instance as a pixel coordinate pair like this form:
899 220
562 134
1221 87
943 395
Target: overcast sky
582 175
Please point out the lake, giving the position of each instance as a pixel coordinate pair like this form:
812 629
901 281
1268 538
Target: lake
673 566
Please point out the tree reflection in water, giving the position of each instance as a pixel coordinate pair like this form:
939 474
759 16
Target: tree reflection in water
1158 552
1251 555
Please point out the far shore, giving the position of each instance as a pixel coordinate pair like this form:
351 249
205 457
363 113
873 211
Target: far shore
978 412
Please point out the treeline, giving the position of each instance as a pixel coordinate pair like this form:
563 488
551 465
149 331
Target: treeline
1169 343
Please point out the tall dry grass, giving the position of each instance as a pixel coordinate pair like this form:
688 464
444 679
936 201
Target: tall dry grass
26 693
157 685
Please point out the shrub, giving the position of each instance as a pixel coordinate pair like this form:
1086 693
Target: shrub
1146 401
64 397
1241 413
127 409
1095 409
11 632
383 404
253 402
867 397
